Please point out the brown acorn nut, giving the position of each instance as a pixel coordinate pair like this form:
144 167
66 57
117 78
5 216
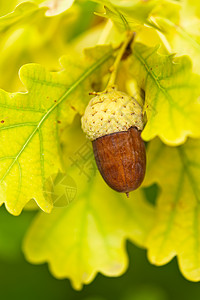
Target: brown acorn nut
113 122
121 159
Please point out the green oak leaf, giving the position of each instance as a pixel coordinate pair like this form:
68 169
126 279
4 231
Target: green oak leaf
88 236
176 229
183 36
7 7
29 125
134 14
26 10
42 41
171 94
22 13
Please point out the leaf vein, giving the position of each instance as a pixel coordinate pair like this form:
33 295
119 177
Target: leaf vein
160 87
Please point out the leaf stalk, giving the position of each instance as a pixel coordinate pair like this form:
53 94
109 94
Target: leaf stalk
114 69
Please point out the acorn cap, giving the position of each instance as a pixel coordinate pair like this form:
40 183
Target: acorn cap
109 112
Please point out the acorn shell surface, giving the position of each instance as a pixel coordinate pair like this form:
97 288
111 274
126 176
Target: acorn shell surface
121 159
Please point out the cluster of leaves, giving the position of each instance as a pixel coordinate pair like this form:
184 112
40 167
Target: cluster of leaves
40 132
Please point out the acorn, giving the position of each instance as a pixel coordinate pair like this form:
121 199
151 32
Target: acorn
113 121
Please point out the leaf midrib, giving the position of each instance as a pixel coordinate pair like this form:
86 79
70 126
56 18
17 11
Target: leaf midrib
160 87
